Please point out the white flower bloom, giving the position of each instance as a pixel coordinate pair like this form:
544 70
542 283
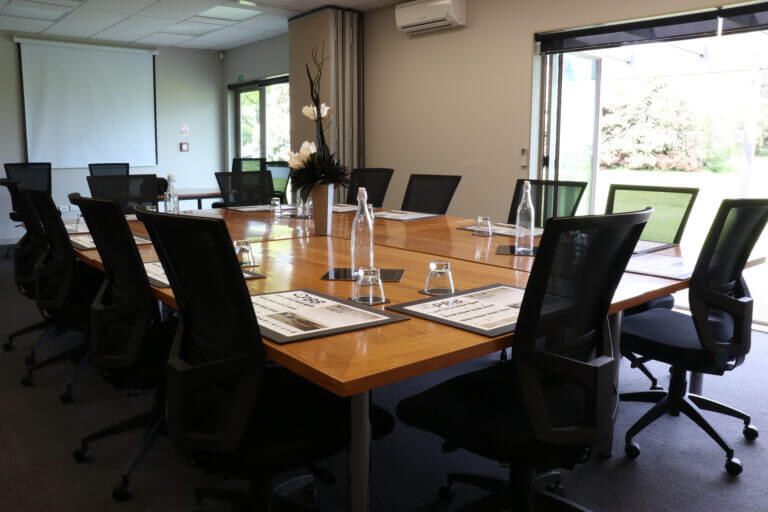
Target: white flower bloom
324 110
310 112
297 160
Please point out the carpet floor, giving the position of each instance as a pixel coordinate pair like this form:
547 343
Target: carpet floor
680 467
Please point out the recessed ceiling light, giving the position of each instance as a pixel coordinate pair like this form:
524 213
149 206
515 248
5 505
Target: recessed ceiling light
224 12
34 10
190 28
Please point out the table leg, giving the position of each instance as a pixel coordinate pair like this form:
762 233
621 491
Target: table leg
359 452
697 383
199 203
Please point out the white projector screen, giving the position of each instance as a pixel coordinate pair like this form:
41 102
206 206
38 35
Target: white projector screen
87 104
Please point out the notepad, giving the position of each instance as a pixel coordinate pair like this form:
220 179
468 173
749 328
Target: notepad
673 267
130 217
157 276
344 208
503 229
85 242
404 215
649 246
259 208
82 227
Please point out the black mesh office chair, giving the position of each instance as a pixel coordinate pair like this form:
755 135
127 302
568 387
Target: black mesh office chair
129 342
551 198
249 164
32 175
430 193
281 175
65 287
714 339
671 206
108 169
129 191
26 254
246 188
226 409
555 399
374 180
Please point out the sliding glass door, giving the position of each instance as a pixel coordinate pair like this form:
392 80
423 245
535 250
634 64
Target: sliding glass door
262 119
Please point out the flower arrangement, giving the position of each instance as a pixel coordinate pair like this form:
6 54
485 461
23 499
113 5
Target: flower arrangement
314 163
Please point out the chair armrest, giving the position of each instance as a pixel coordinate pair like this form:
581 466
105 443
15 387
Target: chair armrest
218 204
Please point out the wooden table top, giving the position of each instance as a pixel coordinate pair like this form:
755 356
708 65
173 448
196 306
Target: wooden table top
355 362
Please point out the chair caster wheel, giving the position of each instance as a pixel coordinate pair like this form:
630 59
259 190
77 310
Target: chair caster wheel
121 494
733 466
66 397
632 450
82 456
751 432
27 381
8 346
446 493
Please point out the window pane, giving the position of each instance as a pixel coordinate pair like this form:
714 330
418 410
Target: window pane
278 122
250 124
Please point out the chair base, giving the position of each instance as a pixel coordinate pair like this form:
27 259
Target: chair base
9 345
677 400
639 362
262 498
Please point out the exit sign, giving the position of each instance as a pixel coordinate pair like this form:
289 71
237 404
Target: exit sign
240 78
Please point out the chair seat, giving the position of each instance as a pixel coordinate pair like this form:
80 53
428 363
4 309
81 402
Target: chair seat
298 423
670 337
666 302
481 412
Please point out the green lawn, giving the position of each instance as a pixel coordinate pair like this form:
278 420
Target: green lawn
668 209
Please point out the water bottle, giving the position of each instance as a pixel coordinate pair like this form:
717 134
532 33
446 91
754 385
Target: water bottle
171 199
362 234
524 222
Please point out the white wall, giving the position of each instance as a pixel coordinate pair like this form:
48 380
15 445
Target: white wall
188 91
459 101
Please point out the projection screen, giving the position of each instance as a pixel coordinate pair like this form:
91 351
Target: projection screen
88 104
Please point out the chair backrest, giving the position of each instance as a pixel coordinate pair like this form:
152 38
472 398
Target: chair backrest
124 310
108 169
671 208
281 174
216 362
374 180
249 164
551 198
129 191
33 175
31 246
55 271
717 288
245 188
430 193
562 341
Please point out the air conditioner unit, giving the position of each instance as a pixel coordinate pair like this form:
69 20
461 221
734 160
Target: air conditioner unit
429 15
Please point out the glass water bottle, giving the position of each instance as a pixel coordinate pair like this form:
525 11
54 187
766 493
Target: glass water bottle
524 222
362 234
171 198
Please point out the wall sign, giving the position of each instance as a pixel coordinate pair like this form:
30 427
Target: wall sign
184 129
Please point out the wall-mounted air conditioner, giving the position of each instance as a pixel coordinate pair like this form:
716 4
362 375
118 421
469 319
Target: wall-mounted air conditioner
429 15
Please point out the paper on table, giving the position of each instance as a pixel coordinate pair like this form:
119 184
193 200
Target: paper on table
648 246
85 242
157 277
259 208
344 208
403 215
298 313
130 217
503 229
673 267
82 227
484 309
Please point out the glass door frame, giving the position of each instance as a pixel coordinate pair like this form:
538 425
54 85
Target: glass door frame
261 86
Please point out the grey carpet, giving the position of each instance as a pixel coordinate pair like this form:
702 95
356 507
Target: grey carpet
679 469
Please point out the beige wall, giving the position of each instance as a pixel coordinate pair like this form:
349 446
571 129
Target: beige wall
304 33
188 91
459 101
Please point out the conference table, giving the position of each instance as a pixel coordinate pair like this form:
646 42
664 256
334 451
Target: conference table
355 363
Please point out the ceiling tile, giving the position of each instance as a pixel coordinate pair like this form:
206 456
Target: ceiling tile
227 12
215 21
133 28
35 10
178 9
23 24
227 37
265 22
163 39
84 22
190 28
119 6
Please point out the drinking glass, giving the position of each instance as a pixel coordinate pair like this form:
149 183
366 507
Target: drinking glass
368 288
370 210
483 227
150 207
274 206
80 224
244 253
439 279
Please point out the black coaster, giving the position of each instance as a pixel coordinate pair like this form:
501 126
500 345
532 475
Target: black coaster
388 275
509 250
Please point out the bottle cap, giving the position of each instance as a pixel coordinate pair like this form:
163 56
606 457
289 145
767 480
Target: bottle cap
362 194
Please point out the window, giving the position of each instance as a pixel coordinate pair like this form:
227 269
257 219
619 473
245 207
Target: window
262 117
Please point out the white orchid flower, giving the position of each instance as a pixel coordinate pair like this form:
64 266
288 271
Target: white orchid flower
297 160
310 111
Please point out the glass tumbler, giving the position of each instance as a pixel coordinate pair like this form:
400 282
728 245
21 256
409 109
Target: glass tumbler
244 253
368 288
275 207
483 227
439 279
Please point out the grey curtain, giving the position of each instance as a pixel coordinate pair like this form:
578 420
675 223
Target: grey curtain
345 136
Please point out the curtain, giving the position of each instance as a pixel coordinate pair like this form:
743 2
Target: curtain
345 137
